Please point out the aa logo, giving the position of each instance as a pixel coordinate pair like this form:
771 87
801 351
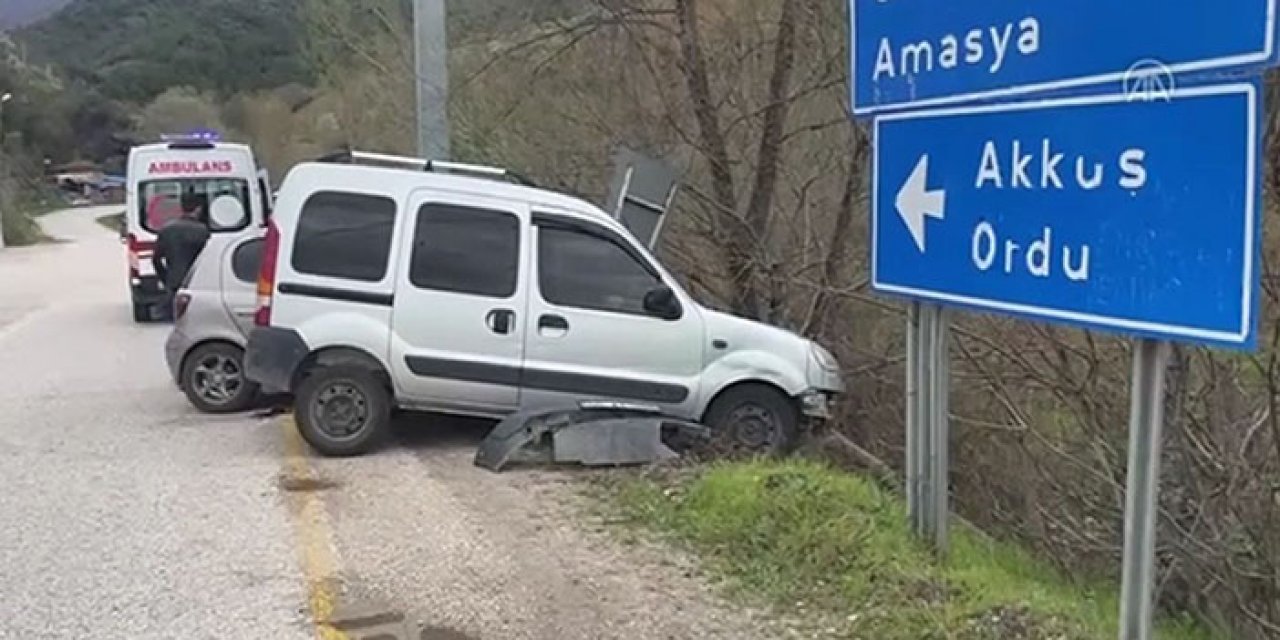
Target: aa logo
1148 81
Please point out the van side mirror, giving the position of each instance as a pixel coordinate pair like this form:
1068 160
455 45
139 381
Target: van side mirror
662 303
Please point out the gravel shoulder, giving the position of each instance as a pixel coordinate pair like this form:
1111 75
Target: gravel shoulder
422 532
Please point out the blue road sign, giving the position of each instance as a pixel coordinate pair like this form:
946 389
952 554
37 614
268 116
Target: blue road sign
1133 217
923 53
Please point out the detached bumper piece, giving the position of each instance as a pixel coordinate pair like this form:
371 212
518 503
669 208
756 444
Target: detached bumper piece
593 434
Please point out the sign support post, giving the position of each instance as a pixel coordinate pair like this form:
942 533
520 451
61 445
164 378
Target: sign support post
1146 425
928 385
916 410
939 428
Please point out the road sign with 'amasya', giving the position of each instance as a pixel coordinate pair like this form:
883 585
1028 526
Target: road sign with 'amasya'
921 53
1137 217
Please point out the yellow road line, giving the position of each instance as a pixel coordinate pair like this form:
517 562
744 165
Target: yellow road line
315 537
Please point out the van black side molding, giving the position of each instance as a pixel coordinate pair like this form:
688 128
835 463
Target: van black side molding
333 293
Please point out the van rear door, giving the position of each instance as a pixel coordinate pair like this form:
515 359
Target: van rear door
160 175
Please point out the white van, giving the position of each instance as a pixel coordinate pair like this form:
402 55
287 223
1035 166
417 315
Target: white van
429 290
158 175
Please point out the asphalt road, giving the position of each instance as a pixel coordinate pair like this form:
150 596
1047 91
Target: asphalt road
125 514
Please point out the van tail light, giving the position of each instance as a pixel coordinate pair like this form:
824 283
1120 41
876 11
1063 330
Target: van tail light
139 250
140 246
180 304
267 275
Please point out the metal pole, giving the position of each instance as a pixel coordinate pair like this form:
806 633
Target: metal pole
4 173
1146 422
928 317
928 423
915 417
432 62
939 426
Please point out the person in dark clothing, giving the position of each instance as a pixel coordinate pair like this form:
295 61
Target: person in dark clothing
178 245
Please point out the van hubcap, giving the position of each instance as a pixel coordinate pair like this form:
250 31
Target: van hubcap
753 426
343 410
217 379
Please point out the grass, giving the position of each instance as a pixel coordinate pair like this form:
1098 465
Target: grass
19 229
44 206
112 221
781 533
18 215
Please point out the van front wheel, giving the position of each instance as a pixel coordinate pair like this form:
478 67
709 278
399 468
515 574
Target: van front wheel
343 410
753 419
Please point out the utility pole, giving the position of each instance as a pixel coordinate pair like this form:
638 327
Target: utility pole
4 98
432 62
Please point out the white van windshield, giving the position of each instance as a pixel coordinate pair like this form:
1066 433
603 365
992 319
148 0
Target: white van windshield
161 200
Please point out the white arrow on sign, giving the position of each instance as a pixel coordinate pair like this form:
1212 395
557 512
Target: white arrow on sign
915 201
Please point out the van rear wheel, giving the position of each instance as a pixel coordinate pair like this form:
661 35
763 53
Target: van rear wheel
343 410
753 419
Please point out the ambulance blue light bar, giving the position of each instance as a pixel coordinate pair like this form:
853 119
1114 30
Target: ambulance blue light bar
193 136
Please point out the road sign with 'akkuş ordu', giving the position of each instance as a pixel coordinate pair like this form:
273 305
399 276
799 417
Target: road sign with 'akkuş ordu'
922 53
1136 217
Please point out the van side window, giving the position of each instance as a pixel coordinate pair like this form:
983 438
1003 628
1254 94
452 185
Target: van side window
466 250
246 260
345 235
587 271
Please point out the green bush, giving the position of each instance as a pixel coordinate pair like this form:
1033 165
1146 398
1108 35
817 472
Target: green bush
20 201
18 228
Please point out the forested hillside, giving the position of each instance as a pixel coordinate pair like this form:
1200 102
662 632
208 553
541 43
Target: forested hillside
135 49
19 13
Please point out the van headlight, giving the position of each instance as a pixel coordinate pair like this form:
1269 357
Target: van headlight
816 404
824 358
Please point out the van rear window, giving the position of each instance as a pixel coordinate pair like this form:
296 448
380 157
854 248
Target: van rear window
345 235
160 201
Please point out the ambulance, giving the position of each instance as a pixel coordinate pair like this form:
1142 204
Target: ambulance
159 174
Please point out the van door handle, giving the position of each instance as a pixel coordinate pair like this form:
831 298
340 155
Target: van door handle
500 321
557 323
550 326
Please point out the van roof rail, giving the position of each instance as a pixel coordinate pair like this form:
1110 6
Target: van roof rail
352 156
